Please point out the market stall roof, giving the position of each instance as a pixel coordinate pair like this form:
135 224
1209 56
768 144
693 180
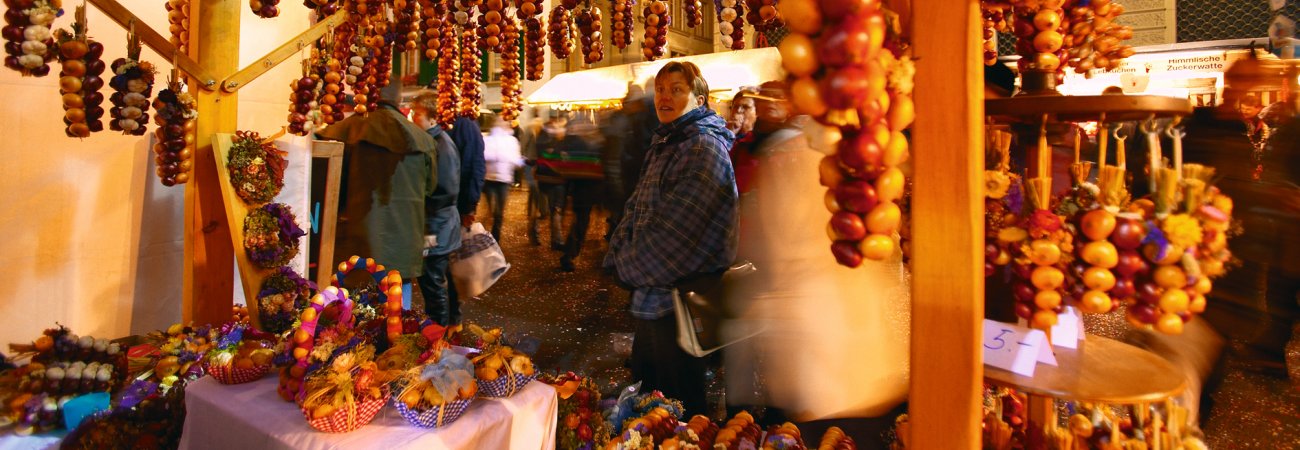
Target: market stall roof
725 71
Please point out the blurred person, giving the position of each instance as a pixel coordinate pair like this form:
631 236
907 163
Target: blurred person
614 129
584 182
442 221
501 157
643 120
550 183
528 145
813 311
468 138
388 170
679 228
744 115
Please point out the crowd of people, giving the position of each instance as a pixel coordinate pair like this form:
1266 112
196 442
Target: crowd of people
686 194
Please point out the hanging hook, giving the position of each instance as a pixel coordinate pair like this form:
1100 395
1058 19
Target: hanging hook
1149 125
1119 136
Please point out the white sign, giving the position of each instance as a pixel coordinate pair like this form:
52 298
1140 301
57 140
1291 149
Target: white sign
1015 348
1068 330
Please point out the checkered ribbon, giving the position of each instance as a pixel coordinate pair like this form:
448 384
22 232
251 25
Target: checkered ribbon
435 417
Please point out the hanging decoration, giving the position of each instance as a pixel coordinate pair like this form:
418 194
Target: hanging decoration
490 17
530 15
256 168
511 84
846 76
763 15
593 46
433 12
1095 40
29 43
561 30
282 295
265 9
407 17
471 91
621 22
694 13
174 114
657 20
80 81
178 20
132 85
304 103
731 22
448 68
271 235
328 96
994 21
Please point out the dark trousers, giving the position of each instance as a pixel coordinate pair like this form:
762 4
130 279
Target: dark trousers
585 195
660 364
536 203
440 300
496 193
553 197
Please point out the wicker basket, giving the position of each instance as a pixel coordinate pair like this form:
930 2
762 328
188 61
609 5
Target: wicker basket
435 417
505 386
228 374
338 421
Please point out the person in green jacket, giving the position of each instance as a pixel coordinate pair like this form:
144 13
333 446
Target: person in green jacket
389 167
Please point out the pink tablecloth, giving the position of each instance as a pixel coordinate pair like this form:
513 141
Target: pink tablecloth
251 416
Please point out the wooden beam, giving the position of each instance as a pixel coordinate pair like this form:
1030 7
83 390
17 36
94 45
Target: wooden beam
157 42
209 257
947 228
277 56
330 216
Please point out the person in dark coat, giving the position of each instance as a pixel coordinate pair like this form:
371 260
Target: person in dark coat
581 145
389 169
467 136
442 224
549 181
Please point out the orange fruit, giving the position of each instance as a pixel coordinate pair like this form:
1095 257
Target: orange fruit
832 205
244 363
897 151
1170 323
1212 267
877 247
806 96
1098 224
798 55
884 218
301 336
1170 277
1174 301
308 314
1197 304
1098 279
801 16
1047 278
1044 320
1047 299
1095 302
1044 252
1100 254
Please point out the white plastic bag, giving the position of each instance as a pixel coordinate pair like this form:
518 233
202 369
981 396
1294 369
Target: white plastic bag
478 263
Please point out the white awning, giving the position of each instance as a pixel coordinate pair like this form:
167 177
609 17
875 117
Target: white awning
725 71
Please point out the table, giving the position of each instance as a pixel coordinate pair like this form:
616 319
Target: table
251 416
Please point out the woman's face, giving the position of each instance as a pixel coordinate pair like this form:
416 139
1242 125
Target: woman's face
743 115
673 98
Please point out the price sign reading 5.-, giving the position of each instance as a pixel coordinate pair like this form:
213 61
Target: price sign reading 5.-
1015 348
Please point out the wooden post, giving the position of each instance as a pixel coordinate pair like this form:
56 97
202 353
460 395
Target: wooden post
947 228
209 257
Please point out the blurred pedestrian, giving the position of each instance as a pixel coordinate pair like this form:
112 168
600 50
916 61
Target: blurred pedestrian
528 146
742 118
809 307
501 156
442 221
584 182
680 227
550 183
388 170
